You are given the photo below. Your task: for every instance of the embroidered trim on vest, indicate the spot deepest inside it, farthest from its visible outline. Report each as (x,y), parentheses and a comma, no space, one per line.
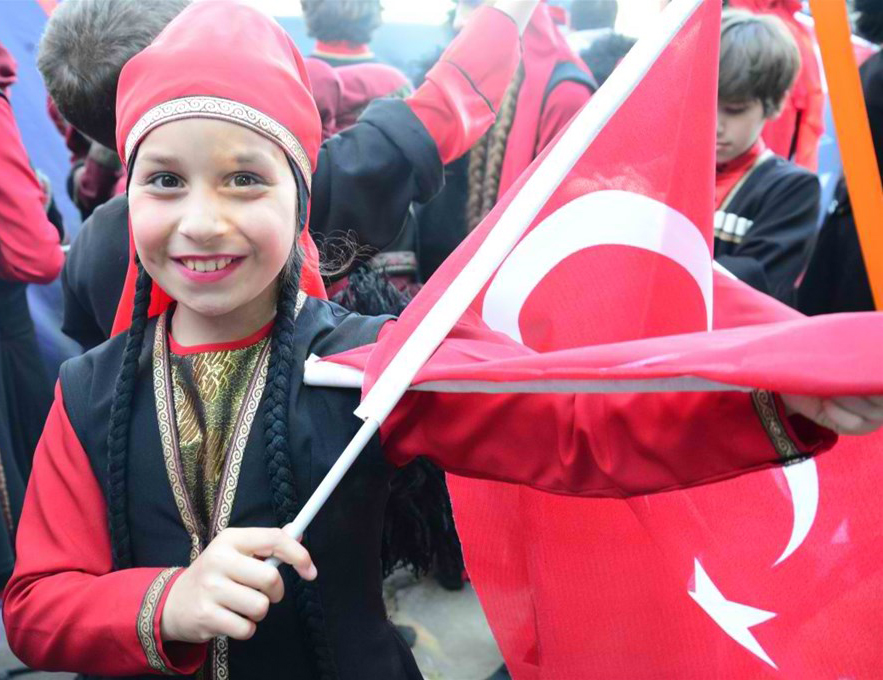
(221,109)
(165,418)
(146,616)
(165,410)
(765,405)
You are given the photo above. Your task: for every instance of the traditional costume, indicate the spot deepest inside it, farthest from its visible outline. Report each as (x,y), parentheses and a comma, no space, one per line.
(30,252)
(766,214)
(123,435)
(836,279)
(551,86)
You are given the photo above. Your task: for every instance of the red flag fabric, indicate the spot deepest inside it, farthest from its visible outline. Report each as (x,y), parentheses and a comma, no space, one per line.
(612,282)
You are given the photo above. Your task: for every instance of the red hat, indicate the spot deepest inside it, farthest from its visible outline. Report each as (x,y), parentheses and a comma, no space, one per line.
(224,60)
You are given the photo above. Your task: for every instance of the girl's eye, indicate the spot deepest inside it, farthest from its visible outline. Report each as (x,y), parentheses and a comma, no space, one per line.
(165,180)
(244,180)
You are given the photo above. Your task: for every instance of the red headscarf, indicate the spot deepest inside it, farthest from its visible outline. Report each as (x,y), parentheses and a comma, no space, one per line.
(224,60)
(543,48)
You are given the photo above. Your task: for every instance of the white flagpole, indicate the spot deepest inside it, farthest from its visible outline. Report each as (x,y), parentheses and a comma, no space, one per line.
(518,216)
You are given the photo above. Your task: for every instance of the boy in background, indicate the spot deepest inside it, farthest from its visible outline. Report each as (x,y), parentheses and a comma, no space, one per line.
(767,207)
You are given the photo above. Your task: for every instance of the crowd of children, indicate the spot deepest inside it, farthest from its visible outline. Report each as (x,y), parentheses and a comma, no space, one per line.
(209,158)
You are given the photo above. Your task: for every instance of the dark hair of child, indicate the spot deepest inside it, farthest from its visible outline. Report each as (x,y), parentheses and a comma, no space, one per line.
(758,60)
(349,21)
(81,77)
(869,22)
(279,469)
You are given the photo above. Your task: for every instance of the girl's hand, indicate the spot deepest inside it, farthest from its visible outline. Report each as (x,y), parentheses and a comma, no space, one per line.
(844,415)
(228,588)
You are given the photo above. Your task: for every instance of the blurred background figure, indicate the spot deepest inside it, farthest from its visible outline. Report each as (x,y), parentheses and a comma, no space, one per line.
(836,279)
(795,134)
(30,252)
(344,72)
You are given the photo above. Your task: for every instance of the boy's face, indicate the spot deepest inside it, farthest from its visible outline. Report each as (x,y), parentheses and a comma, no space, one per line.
(738,126)
(213,208)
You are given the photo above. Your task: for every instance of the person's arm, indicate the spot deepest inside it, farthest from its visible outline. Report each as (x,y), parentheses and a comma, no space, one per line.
(459,100)
(368,175)
(599,445)
(64,608)
(606,445)
(776,243)
(30,247)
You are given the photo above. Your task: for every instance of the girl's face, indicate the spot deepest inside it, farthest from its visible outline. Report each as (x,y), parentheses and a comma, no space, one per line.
(213,208)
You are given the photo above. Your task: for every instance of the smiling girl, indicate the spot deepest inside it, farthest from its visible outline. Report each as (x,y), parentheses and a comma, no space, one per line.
(174,452)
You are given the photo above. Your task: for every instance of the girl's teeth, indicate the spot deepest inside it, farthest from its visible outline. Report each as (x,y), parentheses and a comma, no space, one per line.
(208,265)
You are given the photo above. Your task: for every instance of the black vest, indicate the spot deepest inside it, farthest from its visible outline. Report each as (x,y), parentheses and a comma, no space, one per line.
(344,539)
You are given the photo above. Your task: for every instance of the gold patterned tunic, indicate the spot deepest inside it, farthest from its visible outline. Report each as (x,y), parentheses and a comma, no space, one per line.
(209,390)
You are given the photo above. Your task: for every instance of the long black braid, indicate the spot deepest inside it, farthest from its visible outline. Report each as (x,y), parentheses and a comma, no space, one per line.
(118,433)
(278,455)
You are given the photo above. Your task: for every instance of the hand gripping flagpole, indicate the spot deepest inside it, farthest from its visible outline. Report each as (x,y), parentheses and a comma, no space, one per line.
(513,222)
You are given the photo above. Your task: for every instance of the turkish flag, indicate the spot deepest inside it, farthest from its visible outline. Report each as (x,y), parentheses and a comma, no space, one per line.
(610,285)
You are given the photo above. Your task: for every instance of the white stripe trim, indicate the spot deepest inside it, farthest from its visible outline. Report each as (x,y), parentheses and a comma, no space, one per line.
(318,373)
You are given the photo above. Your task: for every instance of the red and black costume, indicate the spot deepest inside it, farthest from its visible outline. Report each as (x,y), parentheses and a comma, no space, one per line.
(68,607)
(556,84)
(30,252)
(767,209)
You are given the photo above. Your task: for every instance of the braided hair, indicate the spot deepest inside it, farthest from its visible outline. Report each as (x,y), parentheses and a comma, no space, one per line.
(278,457)
(486,158)
(118,431)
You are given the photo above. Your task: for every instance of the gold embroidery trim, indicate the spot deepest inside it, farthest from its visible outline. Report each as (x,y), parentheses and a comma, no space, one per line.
(168,435)
(765,405)
(220,109)
(233,465)
(146,616)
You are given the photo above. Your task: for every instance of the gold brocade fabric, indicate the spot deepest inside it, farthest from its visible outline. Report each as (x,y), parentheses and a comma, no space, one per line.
(209,390)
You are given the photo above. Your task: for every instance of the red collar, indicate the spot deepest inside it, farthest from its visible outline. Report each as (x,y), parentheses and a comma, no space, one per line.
(728,174)
(255,337)
(342,50)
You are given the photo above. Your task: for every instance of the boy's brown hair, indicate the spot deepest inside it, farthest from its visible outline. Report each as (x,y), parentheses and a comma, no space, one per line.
(85,46)
(350,21)
(759,59)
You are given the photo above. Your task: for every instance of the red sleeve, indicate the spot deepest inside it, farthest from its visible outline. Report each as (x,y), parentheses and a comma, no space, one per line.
(599,445)
(458,102)
(30,249)
(64,609)
(562,104)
